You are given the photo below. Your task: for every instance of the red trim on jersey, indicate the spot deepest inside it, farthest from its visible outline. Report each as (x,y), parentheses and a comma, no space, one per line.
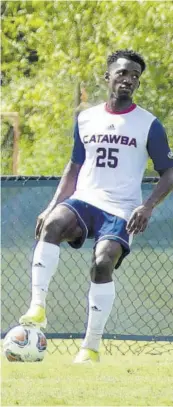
(132,107)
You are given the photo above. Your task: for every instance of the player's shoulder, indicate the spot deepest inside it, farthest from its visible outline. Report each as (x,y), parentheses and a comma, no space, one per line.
(145,114)
(155,128)
(151,122)
(90,112)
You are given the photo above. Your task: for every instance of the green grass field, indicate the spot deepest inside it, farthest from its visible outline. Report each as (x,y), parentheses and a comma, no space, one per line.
(130,380)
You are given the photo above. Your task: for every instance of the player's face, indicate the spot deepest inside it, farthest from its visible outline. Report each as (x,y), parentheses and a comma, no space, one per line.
(124,78)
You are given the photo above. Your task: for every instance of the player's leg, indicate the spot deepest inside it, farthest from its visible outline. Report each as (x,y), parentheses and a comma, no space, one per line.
(112,245)
(62,224)
(101,297)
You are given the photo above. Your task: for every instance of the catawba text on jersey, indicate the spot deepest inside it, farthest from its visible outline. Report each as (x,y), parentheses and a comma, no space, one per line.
(110,138)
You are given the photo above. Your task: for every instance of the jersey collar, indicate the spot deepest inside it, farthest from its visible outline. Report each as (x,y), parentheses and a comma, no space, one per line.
(132,107)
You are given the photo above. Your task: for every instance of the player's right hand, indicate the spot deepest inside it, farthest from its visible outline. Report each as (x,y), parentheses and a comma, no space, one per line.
(40,222)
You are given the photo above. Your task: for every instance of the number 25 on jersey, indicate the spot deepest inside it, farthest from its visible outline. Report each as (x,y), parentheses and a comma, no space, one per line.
(107,157)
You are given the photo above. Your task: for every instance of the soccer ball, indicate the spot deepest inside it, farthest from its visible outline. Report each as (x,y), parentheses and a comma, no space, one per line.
(24,344)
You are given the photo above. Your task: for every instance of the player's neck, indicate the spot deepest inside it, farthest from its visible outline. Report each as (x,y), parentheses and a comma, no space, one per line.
(118,105)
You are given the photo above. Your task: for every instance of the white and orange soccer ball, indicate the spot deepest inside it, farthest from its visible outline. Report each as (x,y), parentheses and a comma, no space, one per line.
(24,344)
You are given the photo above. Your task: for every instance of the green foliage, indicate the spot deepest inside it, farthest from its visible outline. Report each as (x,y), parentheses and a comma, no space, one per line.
(50,47)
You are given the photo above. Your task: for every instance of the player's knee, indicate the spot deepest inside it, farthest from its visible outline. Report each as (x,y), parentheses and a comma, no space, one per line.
(52,230)
(102,269)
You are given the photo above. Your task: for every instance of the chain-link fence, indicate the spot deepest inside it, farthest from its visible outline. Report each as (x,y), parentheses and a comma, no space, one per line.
(144,290)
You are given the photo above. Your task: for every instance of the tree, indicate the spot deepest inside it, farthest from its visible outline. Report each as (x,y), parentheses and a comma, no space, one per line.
(52,49)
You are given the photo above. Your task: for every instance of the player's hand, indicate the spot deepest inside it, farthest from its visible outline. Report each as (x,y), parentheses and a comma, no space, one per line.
(139,219)
(40,222)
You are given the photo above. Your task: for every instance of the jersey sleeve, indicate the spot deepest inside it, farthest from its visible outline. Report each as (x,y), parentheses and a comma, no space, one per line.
(78,153)
(158,147)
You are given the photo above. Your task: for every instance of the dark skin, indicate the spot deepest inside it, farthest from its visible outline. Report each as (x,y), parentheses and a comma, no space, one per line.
(123,79)
(58,223)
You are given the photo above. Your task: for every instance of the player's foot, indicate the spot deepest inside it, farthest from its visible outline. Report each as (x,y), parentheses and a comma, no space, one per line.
(87,356)
(35,316)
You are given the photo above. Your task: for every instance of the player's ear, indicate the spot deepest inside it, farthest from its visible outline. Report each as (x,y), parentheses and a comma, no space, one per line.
(107,76)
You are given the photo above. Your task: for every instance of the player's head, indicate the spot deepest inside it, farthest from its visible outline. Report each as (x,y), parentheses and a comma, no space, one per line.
(124,68)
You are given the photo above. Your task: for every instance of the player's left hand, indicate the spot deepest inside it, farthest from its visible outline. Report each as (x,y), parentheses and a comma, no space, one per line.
(139,219)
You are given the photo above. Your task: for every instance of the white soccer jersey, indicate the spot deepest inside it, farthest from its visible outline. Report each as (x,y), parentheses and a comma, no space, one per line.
(113,149)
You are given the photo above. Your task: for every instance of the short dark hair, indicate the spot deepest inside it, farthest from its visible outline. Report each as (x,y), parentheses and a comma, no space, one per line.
(128,54)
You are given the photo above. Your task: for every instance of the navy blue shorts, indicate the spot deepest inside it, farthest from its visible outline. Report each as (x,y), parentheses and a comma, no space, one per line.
(99,225)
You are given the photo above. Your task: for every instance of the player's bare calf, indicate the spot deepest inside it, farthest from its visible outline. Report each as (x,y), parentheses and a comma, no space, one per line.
(105,257)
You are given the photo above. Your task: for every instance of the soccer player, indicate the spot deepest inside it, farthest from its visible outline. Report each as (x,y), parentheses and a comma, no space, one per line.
(100,195)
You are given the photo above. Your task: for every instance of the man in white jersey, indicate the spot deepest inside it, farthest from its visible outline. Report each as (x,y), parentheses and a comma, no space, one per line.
(100,195)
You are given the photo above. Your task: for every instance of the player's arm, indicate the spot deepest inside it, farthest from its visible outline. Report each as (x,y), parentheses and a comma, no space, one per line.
(67,184)
(162,189)
(162,157)
(68,181)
